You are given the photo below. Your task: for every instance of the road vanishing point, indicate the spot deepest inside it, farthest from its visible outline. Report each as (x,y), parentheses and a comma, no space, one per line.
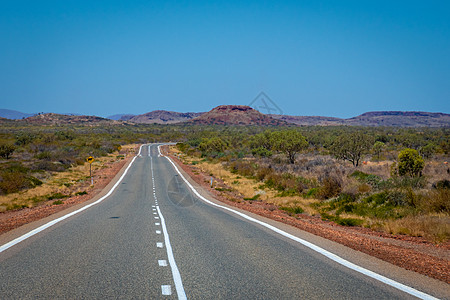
(155,234)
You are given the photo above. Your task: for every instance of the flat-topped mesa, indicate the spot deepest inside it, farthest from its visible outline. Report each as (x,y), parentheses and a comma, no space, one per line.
(59,119)
(236,115)
(163,117)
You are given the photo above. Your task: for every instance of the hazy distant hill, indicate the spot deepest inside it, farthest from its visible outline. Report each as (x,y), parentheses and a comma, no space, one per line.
(310,120)
(57,119)
(401,119)
(236,115)
(121,117)
(241,115)
(376,118)
(13,114)
(163,117)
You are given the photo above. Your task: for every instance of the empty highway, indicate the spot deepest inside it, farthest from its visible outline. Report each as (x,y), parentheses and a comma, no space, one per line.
(153,238)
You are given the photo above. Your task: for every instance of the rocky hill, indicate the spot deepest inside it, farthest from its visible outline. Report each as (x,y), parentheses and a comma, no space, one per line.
(57,119)
(164,117)
(236,115)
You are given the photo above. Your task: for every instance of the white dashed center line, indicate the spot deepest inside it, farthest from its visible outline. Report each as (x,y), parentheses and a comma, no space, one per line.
(162,263)
(165,289)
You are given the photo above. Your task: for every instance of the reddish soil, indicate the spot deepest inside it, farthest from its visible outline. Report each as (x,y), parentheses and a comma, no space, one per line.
(13,219)
(411,253)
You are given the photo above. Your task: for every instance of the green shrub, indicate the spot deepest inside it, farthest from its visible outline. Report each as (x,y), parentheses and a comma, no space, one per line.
(57,196)
(371,179)
(262,152)
(349,222)
(292,210)
(410,163)
(442,184)
(44,155)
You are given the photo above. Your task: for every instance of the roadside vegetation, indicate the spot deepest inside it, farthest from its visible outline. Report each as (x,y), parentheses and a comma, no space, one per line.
(39,164)
(389,179)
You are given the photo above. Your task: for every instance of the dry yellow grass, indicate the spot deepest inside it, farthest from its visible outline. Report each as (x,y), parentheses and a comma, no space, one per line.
(247,187)
(435,228)
(75,179)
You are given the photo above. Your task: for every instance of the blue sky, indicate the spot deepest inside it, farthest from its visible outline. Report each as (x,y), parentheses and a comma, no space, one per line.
(328,58)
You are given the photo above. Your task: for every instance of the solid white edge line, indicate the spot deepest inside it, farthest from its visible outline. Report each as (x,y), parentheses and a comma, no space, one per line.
(316,248)
(175,272)
(51,223)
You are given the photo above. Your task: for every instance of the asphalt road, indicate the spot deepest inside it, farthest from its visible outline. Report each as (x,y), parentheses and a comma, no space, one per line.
(153,238)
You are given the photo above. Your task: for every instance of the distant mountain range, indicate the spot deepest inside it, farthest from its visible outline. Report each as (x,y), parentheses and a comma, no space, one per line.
(239,115)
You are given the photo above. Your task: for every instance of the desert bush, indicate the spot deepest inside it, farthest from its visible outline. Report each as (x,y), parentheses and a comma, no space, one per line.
(261,152)
(410,163)
(24,138)
(442,184)
(48,166)
(6,150)
(44,155)
(330,187)
(373,180)
(215,144)
(292,210)
(12,181)
(428,150)
(183,147)
(263,173)
(243,168)
(436,201)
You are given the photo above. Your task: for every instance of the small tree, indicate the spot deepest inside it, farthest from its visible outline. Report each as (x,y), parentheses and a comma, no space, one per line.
(289,142)
(410,163)
(262,140)
(378,147)
(351,147)
(6,150)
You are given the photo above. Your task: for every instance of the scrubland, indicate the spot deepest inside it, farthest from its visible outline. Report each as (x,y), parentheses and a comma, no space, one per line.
(375,193)
(390,179)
